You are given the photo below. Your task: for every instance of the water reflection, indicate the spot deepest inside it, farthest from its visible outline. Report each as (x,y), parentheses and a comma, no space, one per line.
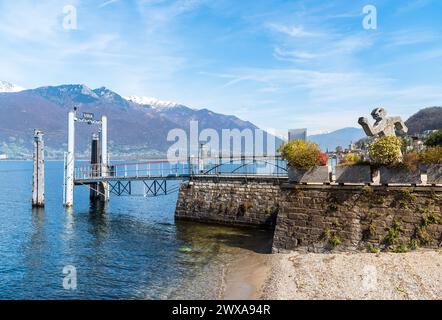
(126,248)
(98,220)
(37,242)
(202,235)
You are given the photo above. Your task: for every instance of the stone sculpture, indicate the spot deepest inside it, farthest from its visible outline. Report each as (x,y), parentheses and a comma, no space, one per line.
(383,126)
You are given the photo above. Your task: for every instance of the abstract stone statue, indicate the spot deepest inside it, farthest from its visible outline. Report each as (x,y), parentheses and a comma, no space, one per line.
(383,126)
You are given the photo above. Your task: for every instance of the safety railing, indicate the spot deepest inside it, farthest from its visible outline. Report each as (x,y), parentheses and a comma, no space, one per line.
(249,166)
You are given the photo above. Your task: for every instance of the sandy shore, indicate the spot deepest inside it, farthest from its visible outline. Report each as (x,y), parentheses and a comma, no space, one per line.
(414,275)
(246,277)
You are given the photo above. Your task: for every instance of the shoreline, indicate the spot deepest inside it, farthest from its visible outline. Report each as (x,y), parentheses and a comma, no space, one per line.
(246,277)
(335,276)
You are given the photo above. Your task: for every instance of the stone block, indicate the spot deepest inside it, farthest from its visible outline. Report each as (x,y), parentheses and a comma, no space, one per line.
(434,174)
(399,175)
(353,174)
(318,174)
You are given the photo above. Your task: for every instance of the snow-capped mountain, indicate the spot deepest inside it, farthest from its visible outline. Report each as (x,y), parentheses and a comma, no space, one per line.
(137,126)
(155,103)
(9,87)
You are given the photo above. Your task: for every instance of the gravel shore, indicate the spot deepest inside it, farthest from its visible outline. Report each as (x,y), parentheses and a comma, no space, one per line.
(413,275)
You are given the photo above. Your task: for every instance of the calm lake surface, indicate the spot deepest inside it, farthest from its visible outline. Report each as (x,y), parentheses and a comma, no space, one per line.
(130,249)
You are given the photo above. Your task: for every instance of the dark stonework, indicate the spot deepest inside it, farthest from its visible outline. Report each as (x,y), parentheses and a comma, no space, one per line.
(232,202)
(319,217)
(312,218)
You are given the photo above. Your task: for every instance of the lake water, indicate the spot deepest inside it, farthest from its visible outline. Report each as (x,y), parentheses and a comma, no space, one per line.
(129,249)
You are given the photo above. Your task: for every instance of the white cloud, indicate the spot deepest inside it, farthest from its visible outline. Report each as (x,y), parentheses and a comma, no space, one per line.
(32,21)
(412,37)
(159,13)
(107,3)
(293,31)
(412,5)
(294,54)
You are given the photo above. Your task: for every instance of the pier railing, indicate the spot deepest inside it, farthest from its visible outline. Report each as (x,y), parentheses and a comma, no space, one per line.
(160,168)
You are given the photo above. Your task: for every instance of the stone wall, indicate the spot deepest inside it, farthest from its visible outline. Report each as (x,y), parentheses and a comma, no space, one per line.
(251,202)
(320,217)
(373,218)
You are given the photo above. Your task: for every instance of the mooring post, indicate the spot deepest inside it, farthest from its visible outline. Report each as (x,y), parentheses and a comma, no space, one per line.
(201,159)
(38,182)
(95,165)
(70,158)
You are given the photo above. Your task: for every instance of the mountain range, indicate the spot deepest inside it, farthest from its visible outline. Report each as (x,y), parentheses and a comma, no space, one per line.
(138,126)
(342,137)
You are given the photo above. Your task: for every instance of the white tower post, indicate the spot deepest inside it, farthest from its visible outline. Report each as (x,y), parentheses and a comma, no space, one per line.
(70,159)
(104,156)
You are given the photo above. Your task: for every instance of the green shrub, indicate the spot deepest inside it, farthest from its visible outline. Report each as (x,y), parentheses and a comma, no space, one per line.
(335,241)
(411,160)
(350,159)
(301,154)
(414,244)
(433,218)
(386,151)
(373,249)
(325,233)
(371,230)
(422,235)
(393,233)
(434,139)
(402,248)
(407,195)
(432,155)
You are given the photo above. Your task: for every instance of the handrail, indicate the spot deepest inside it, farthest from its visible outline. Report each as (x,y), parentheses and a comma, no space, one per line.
(160,167)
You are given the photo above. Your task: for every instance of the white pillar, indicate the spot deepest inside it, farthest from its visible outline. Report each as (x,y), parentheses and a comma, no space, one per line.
(70,159)
(104,140)
(104,156)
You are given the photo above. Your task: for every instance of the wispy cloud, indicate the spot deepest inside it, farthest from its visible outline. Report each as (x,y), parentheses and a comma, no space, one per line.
(158,13)
(32,22)
(106,3)
(336,46)
(411,5)
(294,54)
(412,37)
(293,31)
(276,63)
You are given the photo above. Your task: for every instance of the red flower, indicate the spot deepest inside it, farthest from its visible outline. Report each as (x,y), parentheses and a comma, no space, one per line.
(323,159)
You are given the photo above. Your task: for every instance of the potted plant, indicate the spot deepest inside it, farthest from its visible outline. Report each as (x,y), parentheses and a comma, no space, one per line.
(306,163)
(386,154)
(352,169)
(431,158)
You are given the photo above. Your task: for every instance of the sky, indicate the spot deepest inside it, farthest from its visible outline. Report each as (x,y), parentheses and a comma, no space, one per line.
(277,63)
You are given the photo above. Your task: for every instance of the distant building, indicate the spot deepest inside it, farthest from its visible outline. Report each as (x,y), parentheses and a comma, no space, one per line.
(3,157)
(298,134)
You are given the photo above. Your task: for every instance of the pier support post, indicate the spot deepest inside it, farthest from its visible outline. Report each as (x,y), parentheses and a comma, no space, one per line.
(104,159)
(95,166)
(38,183)
(70,159)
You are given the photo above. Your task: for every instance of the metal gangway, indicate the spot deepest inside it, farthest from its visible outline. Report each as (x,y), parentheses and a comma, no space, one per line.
(156,173)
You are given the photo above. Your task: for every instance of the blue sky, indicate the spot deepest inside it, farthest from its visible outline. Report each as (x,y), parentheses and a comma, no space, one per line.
(280,64)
